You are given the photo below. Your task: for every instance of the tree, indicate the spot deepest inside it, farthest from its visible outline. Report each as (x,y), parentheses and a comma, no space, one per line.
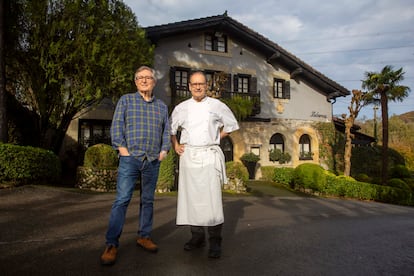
(72,54)
(357,102)
(3,117)
(385,86)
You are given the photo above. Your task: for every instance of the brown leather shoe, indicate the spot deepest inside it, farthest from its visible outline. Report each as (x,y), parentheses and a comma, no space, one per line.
(109,255)
(147,244)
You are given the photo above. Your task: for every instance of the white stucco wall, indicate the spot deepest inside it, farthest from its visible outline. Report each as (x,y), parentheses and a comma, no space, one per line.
(290,117)
(305,102)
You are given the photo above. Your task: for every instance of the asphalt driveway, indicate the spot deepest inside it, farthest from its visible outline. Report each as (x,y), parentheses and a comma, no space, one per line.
(55,231)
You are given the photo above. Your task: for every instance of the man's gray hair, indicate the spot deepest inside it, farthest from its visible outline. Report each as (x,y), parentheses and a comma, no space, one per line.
(144,67)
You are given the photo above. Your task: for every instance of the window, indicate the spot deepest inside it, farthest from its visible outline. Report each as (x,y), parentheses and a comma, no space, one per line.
(277,142)
(181,83)
(305,148)
(281,89)
(255,150)
(243,84)
(277,149)
(92,132)
(215,42)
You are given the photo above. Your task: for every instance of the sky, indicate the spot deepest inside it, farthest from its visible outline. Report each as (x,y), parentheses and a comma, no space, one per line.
(342,39)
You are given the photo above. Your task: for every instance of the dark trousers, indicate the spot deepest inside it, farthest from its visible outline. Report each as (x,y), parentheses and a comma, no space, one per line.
(214,232)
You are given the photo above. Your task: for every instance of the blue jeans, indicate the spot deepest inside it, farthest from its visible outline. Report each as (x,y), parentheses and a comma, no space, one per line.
(130,168)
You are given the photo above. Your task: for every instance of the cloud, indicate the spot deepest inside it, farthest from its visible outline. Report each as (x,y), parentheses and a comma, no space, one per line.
(341,39)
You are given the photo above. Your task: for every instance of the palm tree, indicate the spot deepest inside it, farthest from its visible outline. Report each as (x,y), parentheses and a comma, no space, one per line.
(385,86)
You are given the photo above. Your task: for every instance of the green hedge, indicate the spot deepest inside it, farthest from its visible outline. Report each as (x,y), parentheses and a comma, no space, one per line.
(166,175)
(314,178)
(282,175)
(267,172)
(26,164)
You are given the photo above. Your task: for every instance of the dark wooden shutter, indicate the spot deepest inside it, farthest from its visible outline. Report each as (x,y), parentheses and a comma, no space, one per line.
(253,85)
(173,85)
(286,90)
(235,83)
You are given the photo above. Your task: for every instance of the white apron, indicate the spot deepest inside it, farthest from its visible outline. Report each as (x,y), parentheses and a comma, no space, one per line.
(202,172)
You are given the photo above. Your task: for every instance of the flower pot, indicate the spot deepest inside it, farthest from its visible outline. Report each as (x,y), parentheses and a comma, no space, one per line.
(251,168)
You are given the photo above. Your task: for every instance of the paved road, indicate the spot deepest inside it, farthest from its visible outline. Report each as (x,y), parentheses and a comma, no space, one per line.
(52,231)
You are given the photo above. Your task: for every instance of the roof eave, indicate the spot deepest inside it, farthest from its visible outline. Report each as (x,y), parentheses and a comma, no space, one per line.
(253,39)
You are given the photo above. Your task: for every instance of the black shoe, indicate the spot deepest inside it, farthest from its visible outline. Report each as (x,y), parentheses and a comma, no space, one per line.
(193,244)
(215,248)
(214,254)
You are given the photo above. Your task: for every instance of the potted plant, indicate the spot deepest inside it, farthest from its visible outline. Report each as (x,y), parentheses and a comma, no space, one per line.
(278,155)
(306,155)
(250,161)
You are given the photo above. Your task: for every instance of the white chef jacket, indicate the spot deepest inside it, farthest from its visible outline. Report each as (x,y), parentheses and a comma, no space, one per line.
(202,169)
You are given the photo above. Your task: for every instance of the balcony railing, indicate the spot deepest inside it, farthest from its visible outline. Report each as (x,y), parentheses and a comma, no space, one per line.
(182,93)
(254,97)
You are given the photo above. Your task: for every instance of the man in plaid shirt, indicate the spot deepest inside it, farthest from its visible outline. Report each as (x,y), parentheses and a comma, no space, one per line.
(140,133)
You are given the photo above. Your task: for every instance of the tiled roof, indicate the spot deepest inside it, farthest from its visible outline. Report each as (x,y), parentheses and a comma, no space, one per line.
(257,41)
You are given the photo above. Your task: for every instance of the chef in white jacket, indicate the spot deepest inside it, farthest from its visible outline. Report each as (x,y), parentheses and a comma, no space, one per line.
(203,121)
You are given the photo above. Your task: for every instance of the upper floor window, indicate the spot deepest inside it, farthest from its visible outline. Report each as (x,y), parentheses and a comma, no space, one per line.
(215,42)
(181,83)
(281,89)
(243,84)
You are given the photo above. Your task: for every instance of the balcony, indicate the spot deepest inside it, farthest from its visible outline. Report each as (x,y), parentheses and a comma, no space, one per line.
(181,93)
(254,97)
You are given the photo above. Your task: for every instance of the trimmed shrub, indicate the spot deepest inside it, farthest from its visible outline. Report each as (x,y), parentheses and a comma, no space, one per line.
(236,170)
(283,176)
(398,183)
(101,156)
(348,187)
(166,175)
(267,172)
(410,183)
(309,176)
(362,177)
(318,181)
(26,164)
(237,176)
(359,163)
(99,171)
(399,171)
(250,157)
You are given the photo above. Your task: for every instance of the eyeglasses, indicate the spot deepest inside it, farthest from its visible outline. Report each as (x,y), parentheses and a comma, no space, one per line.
(195,84)
(141,78)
